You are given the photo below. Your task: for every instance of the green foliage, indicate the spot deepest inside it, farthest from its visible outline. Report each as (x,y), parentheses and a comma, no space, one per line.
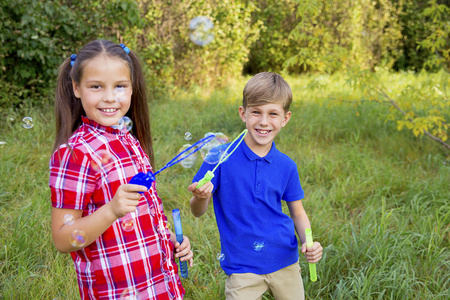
(365,32)
(172,59)
(37,36)
(438,41)
(275,43)
(422,107)
(414,30)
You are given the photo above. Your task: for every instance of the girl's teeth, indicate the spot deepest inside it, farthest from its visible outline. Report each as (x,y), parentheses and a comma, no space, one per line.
(108,110)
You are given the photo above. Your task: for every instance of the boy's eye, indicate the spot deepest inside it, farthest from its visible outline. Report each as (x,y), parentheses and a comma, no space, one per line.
(96,87)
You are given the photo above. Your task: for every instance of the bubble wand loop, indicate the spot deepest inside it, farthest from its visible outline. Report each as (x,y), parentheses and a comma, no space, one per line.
(309,243)
(210,174)
(146,179)
(179,235)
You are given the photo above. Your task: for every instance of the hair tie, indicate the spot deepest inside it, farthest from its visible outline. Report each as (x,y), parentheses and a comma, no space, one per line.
(126,49)
(73,57)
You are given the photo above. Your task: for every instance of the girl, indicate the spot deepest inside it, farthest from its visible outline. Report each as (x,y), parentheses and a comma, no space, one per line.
(115,232)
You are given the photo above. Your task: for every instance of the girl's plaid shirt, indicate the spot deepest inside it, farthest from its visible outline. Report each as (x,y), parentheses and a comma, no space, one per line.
(84,175)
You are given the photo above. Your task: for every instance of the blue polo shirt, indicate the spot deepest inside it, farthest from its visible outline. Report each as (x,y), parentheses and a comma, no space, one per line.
(255,235)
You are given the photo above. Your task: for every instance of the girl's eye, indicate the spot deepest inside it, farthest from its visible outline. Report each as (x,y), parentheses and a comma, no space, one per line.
(96,87)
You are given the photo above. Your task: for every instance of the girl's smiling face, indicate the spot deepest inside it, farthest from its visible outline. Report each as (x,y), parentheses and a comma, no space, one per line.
(102,75)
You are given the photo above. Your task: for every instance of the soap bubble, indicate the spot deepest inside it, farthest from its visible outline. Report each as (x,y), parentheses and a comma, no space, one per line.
(68,219)
(215,148)
(127,122)
(27,123)
(119,94)
(220,256)
(130,294)
(190,160)
(221,138)
(101,159)
(259,246)
(188,136)
(127,224)
(78,238)
(200,31)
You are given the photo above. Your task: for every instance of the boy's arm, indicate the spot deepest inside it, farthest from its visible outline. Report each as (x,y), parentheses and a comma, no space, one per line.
(301,222)
(200,198)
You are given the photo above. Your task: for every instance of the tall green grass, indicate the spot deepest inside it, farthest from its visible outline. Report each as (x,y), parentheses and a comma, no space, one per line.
(378,199)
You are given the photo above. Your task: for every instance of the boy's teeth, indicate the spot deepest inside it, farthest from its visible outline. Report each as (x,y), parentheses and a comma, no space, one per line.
(263,131)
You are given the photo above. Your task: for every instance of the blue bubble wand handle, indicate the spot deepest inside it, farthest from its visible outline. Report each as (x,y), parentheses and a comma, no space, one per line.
(309,243)
(179,235)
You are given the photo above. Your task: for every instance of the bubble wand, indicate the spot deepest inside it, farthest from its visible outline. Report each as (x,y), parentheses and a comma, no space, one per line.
(210,174)
(146,179)
(179,235)
(309,243)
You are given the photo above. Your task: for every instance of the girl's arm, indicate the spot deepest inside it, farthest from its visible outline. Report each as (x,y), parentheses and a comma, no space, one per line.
(183,250)
(301,222)
(125,200)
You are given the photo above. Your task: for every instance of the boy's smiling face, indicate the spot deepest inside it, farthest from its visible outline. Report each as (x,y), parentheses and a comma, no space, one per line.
(263,123)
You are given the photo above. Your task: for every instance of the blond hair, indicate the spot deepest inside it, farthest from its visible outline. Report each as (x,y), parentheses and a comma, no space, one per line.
(265,88)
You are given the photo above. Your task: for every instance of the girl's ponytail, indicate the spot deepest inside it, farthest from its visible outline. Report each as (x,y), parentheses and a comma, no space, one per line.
(68,109)
(139,108)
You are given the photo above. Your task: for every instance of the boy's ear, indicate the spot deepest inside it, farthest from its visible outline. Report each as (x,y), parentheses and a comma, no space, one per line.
(242,113)
(287,117)
(76,89)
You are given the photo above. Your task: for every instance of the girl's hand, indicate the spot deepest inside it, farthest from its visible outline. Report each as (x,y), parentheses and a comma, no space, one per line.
(203,192)
(314,253)
(183,251)
(126,199)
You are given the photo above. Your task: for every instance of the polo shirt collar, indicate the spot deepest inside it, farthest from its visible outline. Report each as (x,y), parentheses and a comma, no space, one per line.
(253,156)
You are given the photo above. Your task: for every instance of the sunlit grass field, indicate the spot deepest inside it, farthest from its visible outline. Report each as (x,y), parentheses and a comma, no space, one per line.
(378,198)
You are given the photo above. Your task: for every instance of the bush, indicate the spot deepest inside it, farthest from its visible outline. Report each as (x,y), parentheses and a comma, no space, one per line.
(37,35)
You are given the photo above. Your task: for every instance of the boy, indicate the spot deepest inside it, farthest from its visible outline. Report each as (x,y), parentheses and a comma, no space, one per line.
(258,242)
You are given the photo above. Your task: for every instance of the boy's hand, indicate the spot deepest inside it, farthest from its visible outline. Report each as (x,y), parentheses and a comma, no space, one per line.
(314,253)
(183,251)
(203,192)
(126,199)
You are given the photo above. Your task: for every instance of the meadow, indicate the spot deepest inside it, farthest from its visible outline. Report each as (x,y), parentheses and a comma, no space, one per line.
(378,198)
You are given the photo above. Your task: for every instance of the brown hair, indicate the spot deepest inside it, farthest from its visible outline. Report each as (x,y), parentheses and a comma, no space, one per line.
(265,88)
(68,109)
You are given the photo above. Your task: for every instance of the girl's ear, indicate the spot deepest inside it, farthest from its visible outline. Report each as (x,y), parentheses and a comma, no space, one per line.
(76,89)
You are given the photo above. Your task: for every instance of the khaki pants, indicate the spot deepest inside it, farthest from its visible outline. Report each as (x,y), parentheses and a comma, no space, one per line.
(284,284)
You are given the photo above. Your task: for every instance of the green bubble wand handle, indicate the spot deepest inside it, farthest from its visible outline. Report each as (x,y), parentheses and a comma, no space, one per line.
(309,243)
(210,174)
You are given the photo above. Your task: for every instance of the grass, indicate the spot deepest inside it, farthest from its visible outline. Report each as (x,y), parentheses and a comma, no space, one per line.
(378,199)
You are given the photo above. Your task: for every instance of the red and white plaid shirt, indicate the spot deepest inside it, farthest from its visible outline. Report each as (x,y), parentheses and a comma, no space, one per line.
(85,175)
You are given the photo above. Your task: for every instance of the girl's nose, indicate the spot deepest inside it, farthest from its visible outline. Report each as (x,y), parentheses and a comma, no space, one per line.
(108,95)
